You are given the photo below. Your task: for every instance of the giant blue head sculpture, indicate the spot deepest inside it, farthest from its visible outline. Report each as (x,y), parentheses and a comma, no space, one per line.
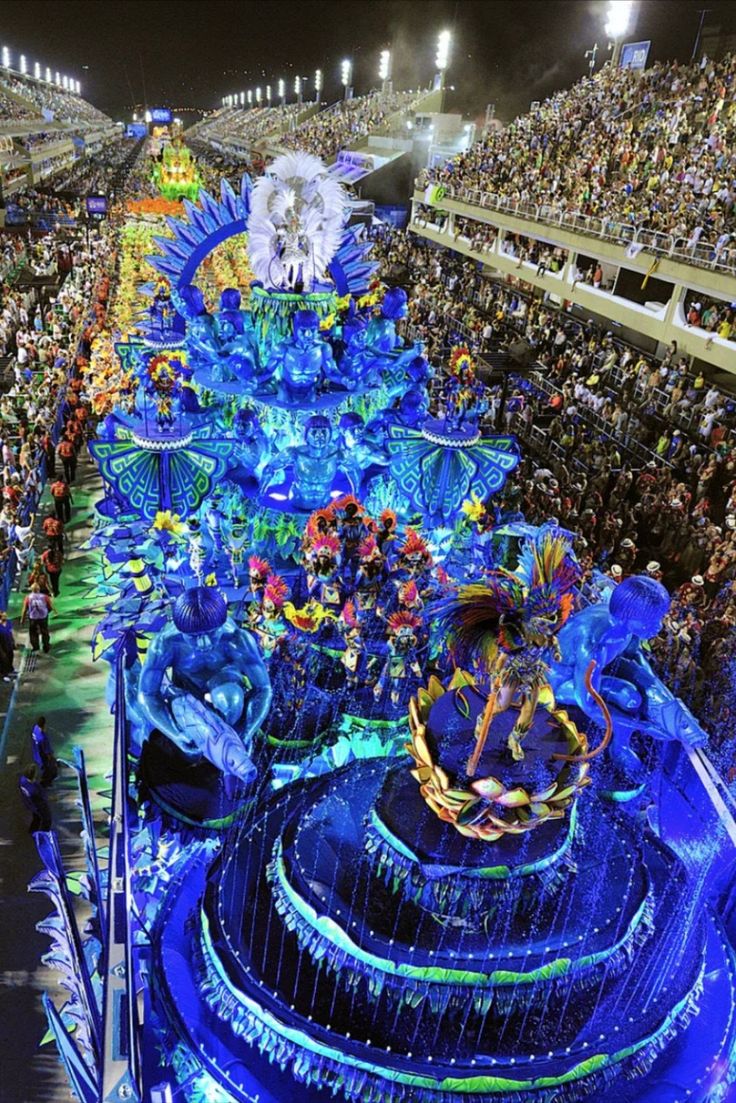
(200,611)
(640,603)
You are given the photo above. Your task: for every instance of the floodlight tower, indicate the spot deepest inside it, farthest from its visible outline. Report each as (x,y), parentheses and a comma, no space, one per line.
(258,96)
(346,77)
(250,97)
(268,94)
(282,92)
(298,89)
(618,22)
(442,58)
(317,85)
(384,70)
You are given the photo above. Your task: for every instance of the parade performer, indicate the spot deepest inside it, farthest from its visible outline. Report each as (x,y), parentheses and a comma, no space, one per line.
(402,660)
(507,626)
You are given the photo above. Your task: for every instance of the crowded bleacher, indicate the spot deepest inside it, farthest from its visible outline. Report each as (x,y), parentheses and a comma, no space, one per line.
(652,151)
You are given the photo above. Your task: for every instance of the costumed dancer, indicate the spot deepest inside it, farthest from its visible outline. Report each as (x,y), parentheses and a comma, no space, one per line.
(507,626)
(402,660)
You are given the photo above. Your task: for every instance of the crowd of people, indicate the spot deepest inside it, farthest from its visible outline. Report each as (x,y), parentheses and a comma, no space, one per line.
(58,104)
(634,453)
(653,150)
(248,124)
(326,133)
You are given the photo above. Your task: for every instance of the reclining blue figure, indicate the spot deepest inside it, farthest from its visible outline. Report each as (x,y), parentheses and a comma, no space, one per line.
(612,634)
(204,684)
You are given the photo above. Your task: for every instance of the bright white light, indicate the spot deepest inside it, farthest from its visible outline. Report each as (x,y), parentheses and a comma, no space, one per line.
(6,57)
(48,75)
(23,66)
(384,65)
(79,89)
(258,95)
(442,60)
(65,83)
(297,86)
(346,70)
(250,97)
(282,89)
(37,70)
(147,116)
(318,80)
(618,18)
(268,93)
(58,79)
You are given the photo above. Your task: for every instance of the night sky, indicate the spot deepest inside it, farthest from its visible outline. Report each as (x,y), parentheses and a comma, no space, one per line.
(188,55)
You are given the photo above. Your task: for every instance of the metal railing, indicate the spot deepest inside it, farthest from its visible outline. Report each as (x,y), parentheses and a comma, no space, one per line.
(699,254)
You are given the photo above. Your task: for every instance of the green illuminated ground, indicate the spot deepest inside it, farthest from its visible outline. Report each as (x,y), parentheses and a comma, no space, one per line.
(70,691)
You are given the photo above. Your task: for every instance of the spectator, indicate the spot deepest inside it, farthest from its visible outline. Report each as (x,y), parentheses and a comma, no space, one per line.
(36,609)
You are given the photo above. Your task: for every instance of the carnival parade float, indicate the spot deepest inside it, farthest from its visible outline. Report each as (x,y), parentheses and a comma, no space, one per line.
(397,831)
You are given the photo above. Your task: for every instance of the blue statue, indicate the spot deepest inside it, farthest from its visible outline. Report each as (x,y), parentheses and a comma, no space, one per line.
(304,364)
(382,335)
(358,363)
(250,450)
(612,635)
(410,413)
(192,686)
(315,464)
(224,344)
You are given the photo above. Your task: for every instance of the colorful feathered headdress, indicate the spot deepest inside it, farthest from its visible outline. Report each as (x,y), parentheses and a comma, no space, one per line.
(509,610)
(259,566)
(319,517)
(368,548)
(328,542)
(415,545)
(404,619)
(340,505)
(276,590)
(348,615)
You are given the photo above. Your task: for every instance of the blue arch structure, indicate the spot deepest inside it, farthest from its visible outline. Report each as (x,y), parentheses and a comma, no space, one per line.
(214,221)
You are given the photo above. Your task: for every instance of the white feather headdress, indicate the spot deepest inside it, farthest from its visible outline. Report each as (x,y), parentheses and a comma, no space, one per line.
(296,221)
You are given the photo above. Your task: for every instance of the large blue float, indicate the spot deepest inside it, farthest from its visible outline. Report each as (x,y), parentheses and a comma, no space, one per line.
(403,832)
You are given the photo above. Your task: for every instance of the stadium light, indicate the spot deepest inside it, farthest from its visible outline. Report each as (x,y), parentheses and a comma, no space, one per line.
(147,116)
(6,57)
(258,96)
(79,89)
(65,83)
(282,92)
(268,94)
(346,75)
(442,58)
(36,70)
(618,23)
(48,75)
(23,65)
(318,85)
(58,79)
(384,66)
(250,97)
(242,99)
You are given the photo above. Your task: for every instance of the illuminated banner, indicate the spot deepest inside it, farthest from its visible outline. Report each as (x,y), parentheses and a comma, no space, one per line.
(161,116)
(96,205)
(634,55)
